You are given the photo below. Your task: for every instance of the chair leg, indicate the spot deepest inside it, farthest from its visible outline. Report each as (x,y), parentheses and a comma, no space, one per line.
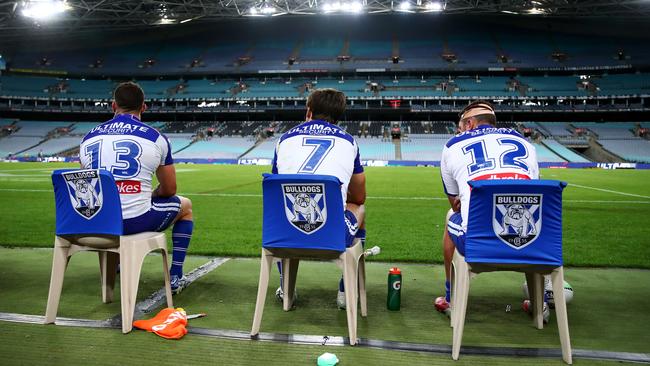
(538,301)
(350,281)
(557,277)
(289,274)
(453,288)
(168,286)
(265,270)
(131,258)
(363,302)
(108,262)
(460,303)
(59,264)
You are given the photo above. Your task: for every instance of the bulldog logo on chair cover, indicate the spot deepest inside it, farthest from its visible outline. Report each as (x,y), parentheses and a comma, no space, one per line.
(304,206)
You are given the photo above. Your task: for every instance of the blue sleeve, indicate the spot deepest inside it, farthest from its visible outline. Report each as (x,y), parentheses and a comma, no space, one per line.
(168,157)
(274,164)
(357,164)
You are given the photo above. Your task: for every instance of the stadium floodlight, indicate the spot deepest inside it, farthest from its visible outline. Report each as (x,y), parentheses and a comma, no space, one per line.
(405,6)
(348,7)
(268,9)
(535,11)
(434,6)
(44,9)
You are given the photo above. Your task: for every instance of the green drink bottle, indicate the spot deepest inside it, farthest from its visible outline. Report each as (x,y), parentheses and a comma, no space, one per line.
(394,300)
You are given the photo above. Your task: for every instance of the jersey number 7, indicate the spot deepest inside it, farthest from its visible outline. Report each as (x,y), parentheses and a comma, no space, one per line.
(321,148)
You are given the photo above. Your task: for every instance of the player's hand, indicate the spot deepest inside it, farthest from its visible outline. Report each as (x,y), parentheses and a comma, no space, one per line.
(456,205)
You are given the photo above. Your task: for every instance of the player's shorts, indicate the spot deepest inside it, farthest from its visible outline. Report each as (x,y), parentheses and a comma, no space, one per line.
(351,229)
(162,213)
(456,233)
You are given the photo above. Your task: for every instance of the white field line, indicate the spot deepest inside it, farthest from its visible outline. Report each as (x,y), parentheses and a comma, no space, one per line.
(608,191)
(369,197)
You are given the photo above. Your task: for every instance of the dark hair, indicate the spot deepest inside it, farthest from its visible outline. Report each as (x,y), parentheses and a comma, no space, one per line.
(129,96)
(326,104)
(487,117)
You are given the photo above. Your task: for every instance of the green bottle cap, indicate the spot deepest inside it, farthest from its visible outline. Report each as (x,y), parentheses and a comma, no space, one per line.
(327,359)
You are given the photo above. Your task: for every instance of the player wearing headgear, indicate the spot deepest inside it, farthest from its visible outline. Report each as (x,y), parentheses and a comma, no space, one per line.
(480,151)
(133,152)
(319,146)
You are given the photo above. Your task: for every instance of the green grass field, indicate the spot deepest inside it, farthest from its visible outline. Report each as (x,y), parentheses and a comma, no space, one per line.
(405,208)
(606,217)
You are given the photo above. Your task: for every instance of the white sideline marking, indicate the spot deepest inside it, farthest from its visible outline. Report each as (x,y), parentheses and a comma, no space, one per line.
(369,197)
(608,191)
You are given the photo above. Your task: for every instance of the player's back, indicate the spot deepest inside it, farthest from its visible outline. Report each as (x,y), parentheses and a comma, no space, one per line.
(485,152)
(318,147)
(132,151)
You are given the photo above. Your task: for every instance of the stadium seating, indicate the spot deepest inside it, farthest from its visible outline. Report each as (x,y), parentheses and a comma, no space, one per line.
(179,141)
(264,150)
(217,148)
(633,150)
(54,146)
(426,148)
(354,87)
(563,151)
(375,149)
(37,128)
(613,130)
(15,144)
(544,154)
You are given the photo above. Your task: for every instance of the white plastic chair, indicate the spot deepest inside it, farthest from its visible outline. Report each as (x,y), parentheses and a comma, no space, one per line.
(486,251)
(283,241)
(97,226)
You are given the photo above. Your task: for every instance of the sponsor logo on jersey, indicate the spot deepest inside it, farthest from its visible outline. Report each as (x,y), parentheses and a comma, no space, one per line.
(85,191)
(304,206)
(128,186)
(504,176)
(517,218)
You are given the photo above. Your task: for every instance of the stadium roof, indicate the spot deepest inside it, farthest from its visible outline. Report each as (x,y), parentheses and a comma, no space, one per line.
(124,14)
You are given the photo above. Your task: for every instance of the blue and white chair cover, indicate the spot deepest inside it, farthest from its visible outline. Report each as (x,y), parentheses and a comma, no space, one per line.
(513,225)
(89,218)
(304,219)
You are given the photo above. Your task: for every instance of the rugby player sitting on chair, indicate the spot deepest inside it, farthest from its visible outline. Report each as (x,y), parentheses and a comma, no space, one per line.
(319,146)
(133,152)
(480,151)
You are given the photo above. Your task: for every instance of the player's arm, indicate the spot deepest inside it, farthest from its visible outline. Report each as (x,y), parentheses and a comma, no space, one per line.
(357,186)
(449,184)
(166,172)
(357,189)
(166,175)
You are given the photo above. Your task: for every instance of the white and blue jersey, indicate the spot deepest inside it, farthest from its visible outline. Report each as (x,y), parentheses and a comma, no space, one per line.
(132,151)
(318,147)
(485,152)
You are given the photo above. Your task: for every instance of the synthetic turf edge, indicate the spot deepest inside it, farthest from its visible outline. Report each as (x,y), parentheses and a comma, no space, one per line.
(158,298)
(342,341)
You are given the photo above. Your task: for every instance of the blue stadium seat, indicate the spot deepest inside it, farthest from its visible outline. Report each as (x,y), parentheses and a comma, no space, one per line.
(89,218)
(513,226)
(291,237)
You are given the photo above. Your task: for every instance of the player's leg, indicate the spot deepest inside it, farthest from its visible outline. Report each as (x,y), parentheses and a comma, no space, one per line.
(451,237)
(181,236)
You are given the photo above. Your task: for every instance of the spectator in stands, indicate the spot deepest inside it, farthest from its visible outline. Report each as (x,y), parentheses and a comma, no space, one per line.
(133,152)
(479,151)
(319,146)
